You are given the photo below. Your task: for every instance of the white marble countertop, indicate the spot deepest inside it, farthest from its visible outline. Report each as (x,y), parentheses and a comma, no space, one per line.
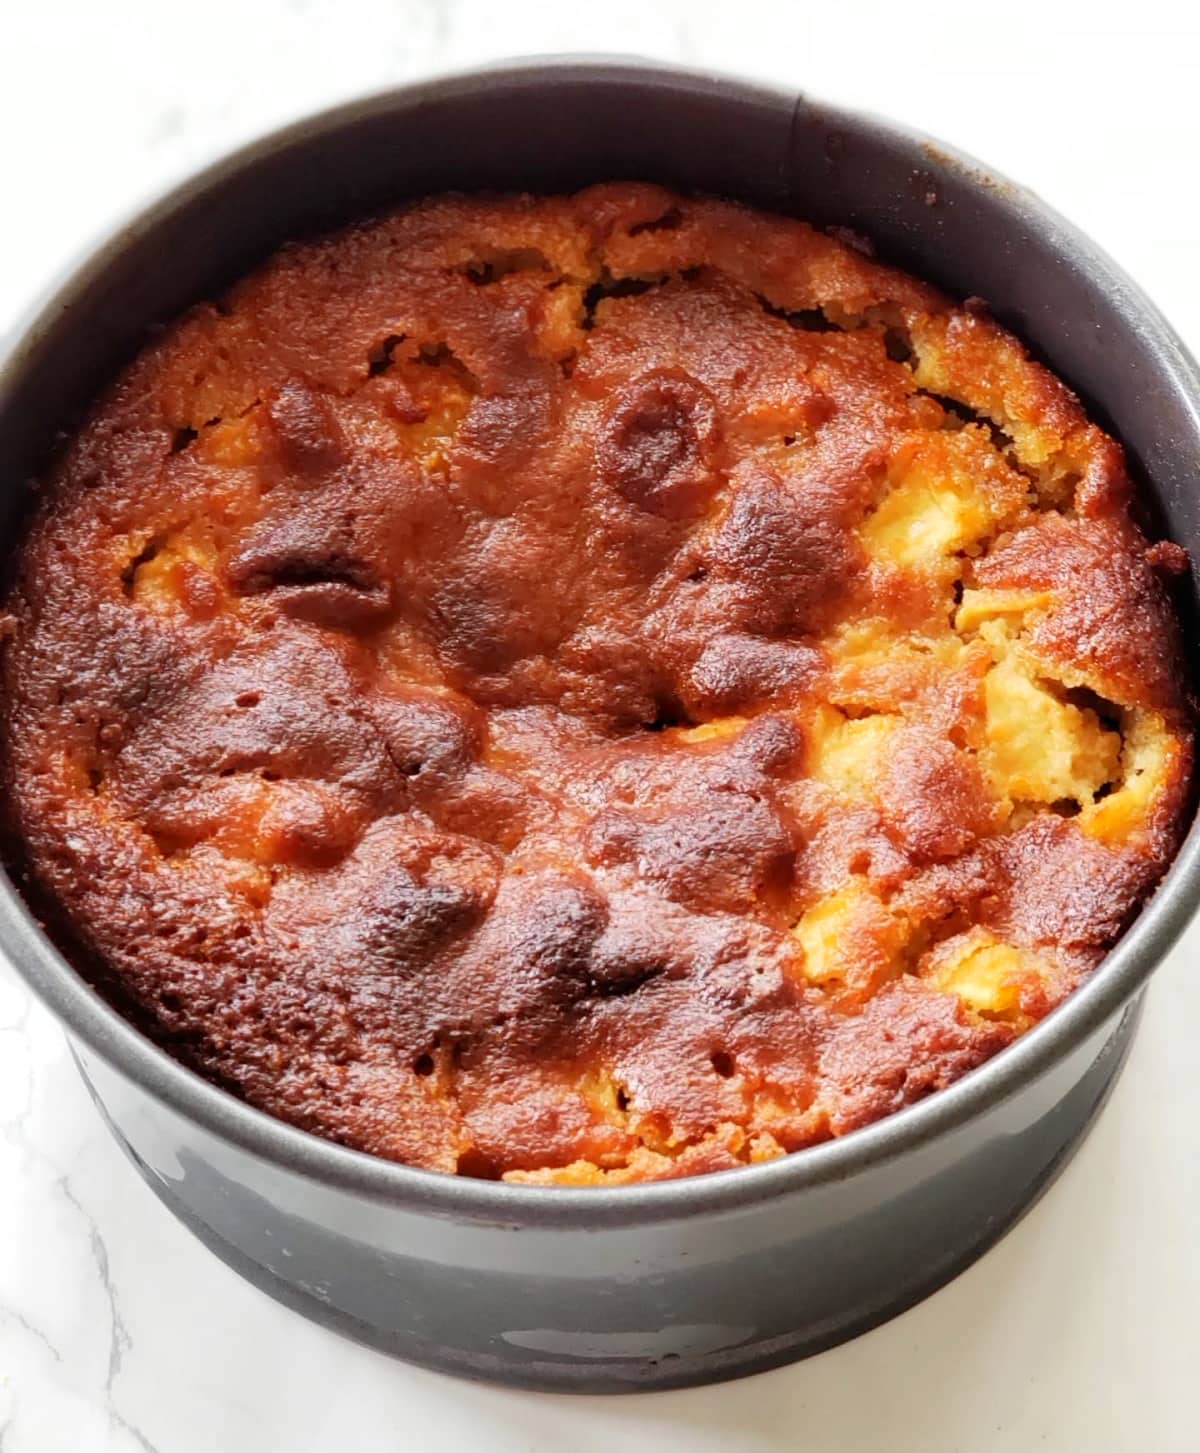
(117,1329)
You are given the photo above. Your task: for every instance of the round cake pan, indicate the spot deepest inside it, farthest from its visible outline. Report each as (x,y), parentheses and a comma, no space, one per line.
(683,1281)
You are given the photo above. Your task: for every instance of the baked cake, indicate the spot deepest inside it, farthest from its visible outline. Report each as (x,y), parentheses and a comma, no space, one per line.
(589,689)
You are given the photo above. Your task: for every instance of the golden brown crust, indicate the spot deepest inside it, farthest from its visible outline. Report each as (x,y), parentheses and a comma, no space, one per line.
(590,688)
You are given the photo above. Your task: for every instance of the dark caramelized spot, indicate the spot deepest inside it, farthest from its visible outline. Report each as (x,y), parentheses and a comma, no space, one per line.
(307,429)
(405,921)
(936,802)
(431,740)
(721,849)
(781,556)
(734,669)
(657,443)
(308,562)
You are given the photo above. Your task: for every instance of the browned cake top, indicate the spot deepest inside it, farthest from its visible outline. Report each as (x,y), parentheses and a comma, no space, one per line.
(590,688)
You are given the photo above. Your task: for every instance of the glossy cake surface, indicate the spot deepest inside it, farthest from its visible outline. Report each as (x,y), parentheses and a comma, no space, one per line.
(589,689)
